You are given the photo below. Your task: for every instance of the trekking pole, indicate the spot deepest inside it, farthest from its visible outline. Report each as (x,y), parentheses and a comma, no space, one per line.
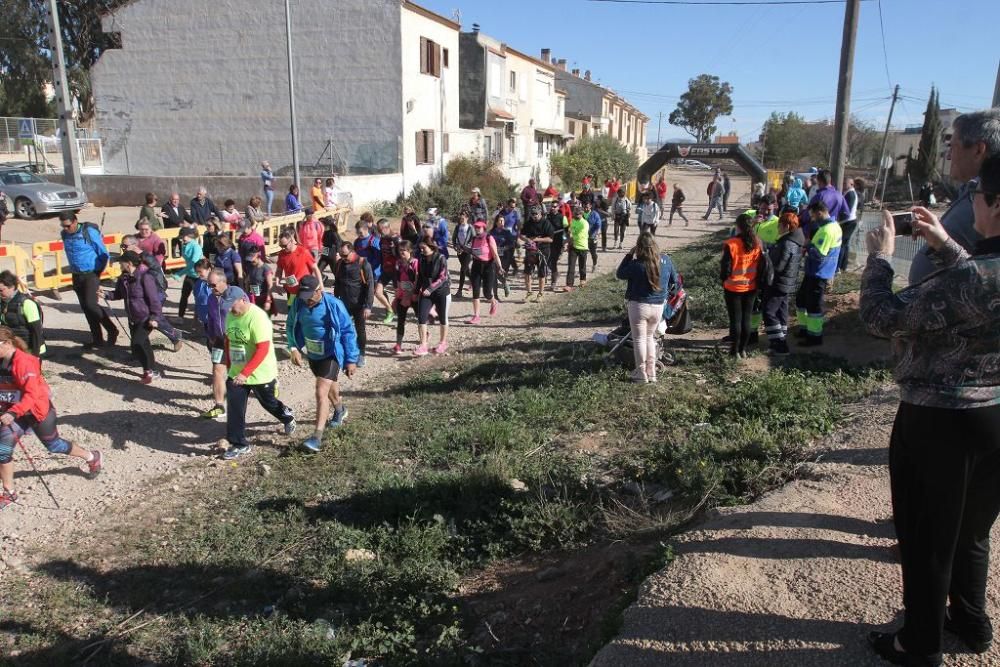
(114,315)
(35,468)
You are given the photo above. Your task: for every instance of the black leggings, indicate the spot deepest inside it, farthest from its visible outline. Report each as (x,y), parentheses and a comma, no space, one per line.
(555,253)
(592,244)
(439,300)
(483,279)
(141,348)
(604,234)
(739,305)
(464,260)
(621,223)
(186,288)
(358,314)
(401,311)
(945,500)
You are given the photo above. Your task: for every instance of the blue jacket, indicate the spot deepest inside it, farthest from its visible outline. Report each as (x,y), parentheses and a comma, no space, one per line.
(594,221)
(324,330)
(512,220)
(824,251)
(202,212)
(85,251)
(638,288)
(215,325)
(201,293)
(370,248)
(441,235)
(796,196)
(835,204)
(227,261)
(505,239)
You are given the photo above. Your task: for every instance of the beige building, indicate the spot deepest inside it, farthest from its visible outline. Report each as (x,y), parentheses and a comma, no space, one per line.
(906,143)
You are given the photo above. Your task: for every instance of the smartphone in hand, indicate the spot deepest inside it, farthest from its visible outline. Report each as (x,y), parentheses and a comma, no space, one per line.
(904,223)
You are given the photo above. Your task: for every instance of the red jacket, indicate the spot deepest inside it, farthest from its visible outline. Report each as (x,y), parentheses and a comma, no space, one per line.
(23,390)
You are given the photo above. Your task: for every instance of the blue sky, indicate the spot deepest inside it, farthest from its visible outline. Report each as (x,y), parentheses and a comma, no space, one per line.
(778,58)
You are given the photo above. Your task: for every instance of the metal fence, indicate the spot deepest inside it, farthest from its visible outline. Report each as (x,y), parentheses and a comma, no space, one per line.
(906,247)
(44,134)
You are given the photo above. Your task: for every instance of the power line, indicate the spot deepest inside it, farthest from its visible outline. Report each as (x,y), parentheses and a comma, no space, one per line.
(885,52)
(736,3)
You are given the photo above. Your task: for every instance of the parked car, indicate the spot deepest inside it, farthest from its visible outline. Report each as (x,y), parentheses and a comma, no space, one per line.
(32,195)
(695,164)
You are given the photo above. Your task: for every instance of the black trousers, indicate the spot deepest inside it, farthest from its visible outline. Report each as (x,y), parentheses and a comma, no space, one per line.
(944,467)
(483,279)
(358,315)
(186,288)
(604,234)
(464,261)
(739,305)
(237,396)
(847,228)
(555,253)
(592,244)
(141,348)
(621,222)
(775,315)
(576,257)
(401,311)
(86,286)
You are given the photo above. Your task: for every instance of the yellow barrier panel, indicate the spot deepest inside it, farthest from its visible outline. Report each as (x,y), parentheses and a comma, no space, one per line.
(46,278)
(14,253)
(774,177)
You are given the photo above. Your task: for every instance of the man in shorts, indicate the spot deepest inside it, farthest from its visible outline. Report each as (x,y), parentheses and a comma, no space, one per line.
(388,246)
(320,327)
(253,369)
(536,235)
(294,263)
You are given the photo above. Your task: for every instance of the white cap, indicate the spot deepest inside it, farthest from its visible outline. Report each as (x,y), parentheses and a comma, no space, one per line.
(476,190)
(432,211)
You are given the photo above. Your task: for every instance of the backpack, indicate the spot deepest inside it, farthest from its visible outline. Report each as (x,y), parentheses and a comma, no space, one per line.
(156,271)
(679,320)
(622,206)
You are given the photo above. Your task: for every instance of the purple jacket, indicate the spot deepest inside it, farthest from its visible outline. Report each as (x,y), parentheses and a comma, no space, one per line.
(835,203)
(141,295)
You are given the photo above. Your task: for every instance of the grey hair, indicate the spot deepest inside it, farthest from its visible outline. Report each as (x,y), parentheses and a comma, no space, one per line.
(202,189)
(980,126)
(219,274)
(130,239)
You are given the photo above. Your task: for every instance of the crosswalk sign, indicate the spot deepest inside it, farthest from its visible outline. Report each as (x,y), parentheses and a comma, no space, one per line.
(26,130)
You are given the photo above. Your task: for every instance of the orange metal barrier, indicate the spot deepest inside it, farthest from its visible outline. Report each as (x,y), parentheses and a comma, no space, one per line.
(44,252)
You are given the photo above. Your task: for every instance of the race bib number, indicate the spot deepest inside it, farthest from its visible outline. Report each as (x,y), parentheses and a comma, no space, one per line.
(238,355)
(291,281)
(406,286)
(10,396)
(325,252)
(212,257)
(315,348)
(479,252)
(255,290)
(217,353)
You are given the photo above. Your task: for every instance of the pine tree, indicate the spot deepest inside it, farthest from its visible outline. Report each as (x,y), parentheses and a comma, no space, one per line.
(925,166)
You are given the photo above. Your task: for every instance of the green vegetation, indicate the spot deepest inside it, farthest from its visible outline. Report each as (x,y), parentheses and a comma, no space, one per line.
(602,156)
(450,191)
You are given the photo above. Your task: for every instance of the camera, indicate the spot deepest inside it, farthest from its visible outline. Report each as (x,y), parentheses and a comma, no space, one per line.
(904,223)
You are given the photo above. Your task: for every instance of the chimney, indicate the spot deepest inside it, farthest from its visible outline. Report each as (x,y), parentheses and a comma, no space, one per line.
(586,75)
(562,64)
(475,28)
(576,72)
(546,55)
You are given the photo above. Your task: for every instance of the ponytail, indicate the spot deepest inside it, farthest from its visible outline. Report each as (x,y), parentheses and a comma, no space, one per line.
(746,232)
(7,336)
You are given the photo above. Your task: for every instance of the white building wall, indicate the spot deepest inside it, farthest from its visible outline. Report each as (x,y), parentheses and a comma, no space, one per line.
(429,102)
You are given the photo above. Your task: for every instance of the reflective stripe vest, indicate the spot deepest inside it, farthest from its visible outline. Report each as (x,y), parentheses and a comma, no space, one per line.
(743,271)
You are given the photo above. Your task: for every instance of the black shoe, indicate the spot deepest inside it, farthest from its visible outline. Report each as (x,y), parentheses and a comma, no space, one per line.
(779,348)
(883,643)
(802,333)
(112,338)
(727,338)
(977,636)
(812,341)
(754,338)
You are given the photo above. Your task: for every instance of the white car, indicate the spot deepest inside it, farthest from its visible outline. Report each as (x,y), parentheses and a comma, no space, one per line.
(695,164)
(32,195)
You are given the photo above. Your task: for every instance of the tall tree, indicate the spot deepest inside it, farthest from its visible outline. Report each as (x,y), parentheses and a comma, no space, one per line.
(925,166)
(25,60)
(706,99)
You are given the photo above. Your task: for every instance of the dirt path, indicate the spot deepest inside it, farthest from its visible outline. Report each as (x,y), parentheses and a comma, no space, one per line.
(151,435)
(797,578)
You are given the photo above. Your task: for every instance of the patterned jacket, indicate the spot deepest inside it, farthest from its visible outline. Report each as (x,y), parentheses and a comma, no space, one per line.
(945,331)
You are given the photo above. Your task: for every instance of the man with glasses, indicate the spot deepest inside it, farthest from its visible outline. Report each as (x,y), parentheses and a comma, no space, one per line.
(220,299)
(294,263)
(87,258)
(975,137)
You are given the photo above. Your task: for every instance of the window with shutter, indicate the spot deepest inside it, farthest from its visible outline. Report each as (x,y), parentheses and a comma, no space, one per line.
(421,148)
(444,57)
(423,55)
(436,70)
(429,143)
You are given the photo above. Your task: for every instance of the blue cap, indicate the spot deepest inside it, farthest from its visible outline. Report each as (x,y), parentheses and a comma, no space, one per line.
(231,296)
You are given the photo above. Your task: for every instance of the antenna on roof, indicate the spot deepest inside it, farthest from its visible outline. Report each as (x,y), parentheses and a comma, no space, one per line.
(457,16)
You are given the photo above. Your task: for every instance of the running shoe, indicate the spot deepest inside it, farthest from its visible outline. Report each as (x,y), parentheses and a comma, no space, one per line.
(529,297)
(397,349)
(493,308)
(361,361)
(441,348)
(475,320)
(236,452)
(506,289)
(313,444)
(290,427)
(339,415)
(7,498)
(217,412)
(389,318)
(96,464)
(149,377)
(178,344)
(420,351)
(538,297)
(112,338)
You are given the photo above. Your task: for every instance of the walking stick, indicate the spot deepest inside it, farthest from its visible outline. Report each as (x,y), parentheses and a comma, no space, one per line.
(114,315)
(35,468)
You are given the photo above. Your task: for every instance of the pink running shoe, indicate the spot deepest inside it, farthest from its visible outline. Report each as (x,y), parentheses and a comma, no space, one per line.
(420,351)
(493,308)
(95,465)
(474,320)
(397,349)
(7,498)
(441,348)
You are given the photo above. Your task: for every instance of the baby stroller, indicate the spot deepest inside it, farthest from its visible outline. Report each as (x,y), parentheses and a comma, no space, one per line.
(675,321)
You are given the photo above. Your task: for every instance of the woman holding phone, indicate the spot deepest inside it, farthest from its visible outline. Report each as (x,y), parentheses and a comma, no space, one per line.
(944,453)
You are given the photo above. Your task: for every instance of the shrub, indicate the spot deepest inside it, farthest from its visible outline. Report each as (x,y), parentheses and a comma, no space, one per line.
(601,156)
(448,192)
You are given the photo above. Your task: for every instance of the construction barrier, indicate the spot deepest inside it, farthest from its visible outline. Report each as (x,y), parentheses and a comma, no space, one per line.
(51,252)
(16,256)
(774,177)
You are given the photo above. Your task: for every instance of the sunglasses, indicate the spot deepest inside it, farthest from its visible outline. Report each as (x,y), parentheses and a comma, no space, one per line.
(66,226)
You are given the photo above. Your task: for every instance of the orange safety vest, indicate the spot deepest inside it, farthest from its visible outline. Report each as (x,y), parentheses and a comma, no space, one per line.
(743,273)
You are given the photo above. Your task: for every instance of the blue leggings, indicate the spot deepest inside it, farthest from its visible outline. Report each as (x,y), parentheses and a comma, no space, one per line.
(45,430)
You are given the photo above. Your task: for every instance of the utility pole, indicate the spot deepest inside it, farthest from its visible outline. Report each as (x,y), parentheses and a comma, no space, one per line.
(291,93)
(659,124)
(64,104)
(885,139)
(842,122)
